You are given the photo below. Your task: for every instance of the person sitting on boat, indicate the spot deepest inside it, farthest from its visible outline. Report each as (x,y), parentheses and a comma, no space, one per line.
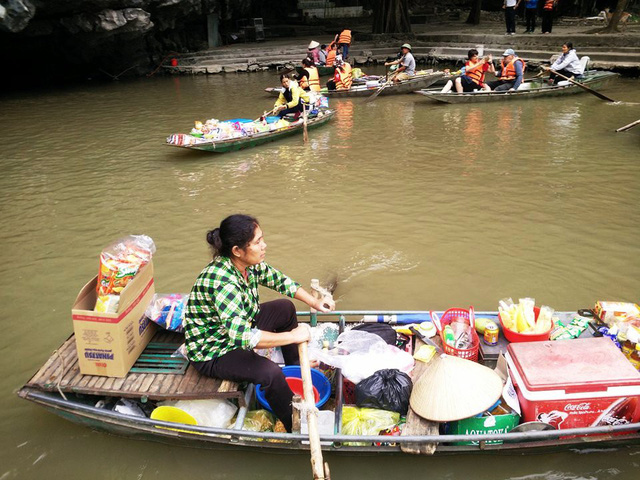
(474,71)
(331,54)
(342,78)
(225,321)
(313,53)
(511,72)
(292,99)
(567,64)
(406,65)
(322,55)
(309,79)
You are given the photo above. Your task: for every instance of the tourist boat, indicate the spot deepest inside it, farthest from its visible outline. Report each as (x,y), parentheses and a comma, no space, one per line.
(59,387)
(417,82)
(529,89)
(191,142)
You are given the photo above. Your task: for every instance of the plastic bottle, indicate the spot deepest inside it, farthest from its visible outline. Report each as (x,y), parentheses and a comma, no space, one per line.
(626,345)
(635,357)
(449,337)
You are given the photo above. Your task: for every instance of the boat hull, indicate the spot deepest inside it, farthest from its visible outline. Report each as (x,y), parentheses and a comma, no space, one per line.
(234,144)
(539,90)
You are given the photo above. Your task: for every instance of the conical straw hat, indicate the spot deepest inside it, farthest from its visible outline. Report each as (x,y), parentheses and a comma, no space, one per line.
(313,44)
(452,388)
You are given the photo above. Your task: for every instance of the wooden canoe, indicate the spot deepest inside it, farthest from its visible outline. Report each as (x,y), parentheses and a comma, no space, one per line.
(59,388)
(249,141)
(406,86)
(530,89)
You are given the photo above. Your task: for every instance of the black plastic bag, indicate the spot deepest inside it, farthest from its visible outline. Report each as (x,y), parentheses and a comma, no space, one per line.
(383,330)
(388,389)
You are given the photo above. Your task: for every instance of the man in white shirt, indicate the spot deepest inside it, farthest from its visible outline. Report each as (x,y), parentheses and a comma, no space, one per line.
(510,15)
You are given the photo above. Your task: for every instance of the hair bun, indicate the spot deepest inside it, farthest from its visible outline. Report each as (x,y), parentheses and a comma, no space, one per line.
(213,238)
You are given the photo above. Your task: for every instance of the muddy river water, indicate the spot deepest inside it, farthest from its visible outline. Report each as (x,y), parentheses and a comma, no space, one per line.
(408,204)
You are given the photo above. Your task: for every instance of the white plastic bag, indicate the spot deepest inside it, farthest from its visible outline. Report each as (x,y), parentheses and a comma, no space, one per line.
(360,354)
(209,412)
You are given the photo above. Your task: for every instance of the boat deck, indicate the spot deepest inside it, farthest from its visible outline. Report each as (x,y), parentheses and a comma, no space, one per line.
(61,373)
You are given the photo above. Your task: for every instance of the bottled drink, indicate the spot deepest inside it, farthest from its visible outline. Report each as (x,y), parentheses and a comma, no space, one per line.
(449,337)
(626,345)
(635,357)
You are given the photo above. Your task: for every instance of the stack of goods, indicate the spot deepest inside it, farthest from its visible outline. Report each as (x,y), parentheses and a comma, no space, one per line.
(457,332)
(622,326)
(524,322)
(167,310)
(573,329)
(119,263)
(217,130)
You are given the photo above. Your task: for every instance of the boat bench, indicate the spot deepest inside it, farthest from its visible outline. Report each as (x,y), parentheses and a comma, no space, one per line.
(164,379)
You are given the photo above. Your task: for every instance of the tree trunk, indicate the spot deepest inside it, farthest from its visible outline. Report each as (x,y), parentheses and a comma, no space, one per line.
(391,16)
(474,13)
(612,27)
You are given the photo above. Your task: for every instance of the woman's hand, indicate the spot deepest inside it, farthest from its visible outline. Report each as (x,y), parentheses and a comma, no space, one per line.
(301,333)
(324,305)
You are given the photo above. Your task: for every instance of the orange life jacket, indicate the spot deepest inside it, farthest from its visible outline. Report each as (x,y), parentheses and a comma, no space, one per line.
(311,81)
(549,4)
(331,57)
(343,77)
(345,37)
(475,72)
(508,71)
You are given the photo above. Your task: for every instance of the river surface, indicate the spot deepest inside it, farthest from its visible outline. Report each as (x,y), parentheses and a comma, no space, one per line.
(410,205)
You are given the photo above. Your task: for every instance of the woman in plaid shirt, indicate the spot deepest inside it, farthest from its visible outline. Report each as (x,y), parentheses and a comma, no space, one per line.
(225,320)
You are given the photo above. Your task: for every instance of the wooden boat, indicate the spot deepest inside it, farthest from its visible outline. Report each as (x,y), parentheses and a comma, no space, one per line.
(323,71)
(253,140)
(406,86)
(530,89)
(60,388)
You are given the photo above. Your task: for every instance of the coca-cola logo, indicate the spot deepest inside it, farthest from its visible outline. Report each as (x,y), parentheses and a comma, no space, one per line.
(579,406)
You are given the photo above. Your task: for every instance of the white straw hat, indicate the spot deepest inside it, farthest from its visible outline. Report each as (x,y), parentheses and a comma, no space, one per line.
(452,388)
(313,45)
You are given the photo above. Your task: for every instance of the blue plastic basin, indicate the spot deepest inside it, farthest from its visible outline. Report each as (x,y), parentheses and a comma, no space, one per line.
(318,379)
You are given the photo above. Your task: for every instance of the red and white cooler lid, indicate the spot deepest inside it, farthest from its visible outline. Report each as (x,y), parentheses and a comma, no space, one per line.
(579,365)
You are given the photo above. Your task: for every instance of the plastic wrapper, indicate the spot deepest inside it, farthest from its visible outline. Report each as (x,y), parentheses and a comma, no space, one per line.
(361,354)
(120,262)
(259,421)
(367,421)
(167,310)
(209,413)
(387,389)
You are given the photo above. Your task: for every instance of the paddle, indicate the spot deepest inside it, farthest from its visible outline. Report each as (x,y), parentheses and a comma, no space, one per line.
(377,92)
(305,135)
(627,127)
(584,87)
(317,466)
(265,114)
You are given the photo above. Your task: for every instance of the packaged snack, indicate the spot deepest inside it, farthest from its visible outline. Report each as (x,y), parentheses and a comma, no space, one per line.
(167,310)
(121,260)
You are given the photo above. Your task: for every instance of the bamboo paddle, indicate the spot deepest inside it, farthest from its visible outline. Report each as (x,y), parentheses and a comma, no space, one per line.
(317,466)
(265,114)
(584,87)
(627,127)
(305,135)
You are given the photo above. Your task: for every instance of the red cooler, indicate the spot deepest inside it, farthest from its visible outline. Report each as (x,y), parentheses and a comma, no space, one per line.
(574,383)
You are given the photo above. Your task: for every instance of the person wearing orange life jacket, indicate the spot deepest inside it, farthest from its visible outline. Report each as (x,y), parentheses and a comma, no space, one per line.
(511,72)
(331,55)
(473,77)
(548,9)
(344,42)
(342,78)
(309,79)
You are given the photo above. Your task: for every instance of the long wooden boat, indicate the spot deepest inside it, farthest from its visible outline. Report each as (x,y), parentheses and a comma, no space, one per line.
(530,89)
(323,71)
(406,86)
(249,141)
(60,388)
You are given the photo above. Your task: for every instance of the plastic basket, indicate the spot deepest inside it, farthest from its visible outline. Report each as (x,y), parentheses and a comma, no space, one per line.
(514,336)
(457,314)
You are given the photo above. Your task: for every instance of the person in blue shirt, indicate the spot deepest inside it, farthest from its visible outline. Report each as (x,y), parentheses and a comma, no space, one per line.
(511,72)
(530,7)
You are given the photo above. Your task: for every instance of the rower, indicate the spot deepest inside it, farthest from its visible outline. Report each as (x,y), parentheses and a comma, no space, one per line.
(291,98)
(406,65)
(511,72)
(567,64)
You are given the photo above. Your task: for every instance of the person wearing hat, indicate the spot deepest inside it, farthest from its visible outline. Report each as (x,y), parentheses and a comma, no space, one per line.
(406,65)
(511,72)
(313,53)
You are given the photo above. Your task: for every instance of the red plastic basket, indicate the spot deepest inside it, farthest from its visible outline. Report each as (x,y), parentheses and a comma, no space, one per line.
(458,314)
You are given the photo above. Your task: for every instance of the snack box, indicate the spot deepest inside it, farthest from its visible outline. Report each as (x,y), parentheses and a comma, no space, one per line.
(108,344)
(607,311)
(574,383)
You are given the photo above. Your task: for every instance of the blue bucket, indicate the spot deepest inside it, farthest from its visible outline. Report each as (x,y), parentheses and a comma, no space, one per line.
(272,119)
(239,120)
(318,379)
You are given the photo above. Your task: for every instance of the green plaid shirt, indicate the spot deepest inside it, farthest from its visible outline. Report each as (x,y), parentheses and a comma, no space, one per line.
(222,307)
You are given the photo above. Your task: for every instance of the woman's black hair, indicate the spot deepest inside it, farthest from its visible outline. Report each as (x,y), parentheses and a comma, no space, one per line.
(283,76)
(235,230)
(471,53)
(569,45)
(306,61)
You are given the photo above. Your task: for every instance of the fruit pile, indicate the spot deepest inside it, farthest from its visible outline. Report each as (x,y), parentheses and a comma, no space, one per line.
(521,317)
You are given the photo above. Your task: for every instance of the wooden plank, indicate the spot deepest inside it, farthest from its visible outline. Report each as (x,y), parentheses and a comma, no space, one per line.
(53,364)
(148,380)
(417,425)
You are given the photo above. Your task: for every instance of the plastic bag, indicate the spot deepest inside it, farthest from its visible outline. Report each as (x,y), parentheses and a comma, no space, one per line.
(361,354)
(167,310)
(383,330)
(209,412)
(387,389)
(121,260)
(367,421)
(259,421)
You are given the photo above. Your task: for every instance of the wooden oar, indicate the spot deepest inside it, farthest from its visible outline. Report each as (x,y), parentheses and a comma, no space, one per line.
(305,135)
(317,465)
(627,127)
(584,87)
(377,92)
(264,115)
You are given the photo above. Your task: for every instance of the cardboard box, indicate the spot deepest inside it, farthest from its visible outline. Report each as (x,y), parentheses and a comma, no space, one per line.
(108,344)
(483,425)
(608,311)
(575,383)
